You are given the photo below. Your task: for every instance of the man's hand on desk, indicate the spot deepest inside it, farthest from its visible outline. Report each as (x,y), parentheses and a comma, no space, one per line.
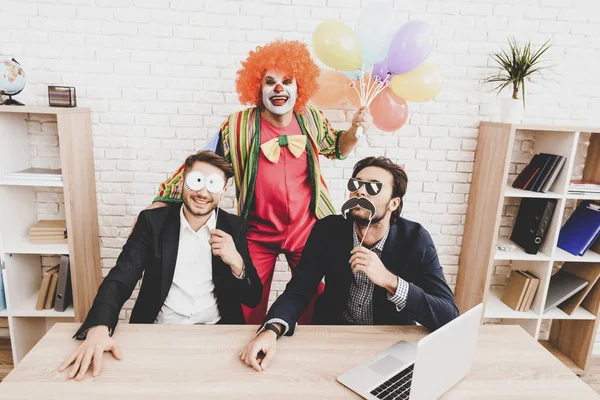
(260,351)
(90,351)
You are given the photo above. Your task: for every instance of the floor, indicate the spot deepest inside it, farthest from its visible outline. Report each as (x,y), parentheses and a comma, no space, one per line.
(592,378)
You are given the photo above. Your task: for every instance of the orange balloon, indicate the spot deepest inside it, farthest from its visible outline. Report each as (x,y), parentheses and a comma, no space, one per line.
(333,87)
(389,111)
(351,94)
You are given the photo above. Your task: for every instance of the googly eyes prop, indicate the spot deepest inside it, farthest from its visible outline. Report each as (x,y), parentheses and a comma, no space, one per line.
(196,181)
(215,183)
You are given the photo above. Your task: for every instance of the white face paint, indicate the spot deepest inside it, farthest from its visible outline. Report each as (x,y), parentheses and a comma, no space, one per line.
(279,93)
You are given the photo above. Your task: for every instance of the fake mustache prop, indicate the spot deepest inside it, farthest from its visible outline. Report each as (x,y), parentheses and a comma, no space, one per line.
(361,202)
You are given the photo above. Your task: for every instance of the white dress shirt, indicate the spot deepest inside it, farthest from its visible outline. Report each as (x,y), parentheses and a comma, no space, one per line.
(191,299)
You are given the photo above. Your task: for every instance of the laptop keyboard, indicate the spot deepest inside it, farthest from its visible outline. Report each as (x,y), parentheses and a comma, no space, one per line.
(397,387)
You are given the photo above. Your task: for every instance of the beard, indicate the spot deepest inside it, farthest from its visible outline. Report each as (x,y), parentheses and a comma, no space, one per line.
(280,109)
(361,217)
(197,210)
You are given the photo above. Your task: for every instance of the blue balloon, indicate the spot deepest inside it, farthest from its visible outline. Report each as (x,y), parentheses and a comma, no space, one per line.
(352,74)
(375,29)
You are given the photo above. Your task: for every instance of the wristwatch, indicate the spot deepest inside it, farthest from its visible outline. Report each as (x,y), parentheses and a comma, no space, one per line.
(272,327)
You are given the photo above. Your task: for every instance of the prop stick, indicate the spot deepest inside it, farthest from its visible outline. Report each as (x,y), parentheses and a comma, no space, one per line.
(366,231)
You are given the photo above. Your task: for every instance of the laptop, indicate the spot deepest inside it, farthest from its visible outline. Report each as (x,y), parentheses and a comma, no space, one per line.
(419,371)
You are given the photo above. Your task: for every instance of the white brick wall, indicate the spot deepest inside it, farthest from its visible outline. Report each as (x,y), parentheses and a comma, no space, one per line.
(159,77)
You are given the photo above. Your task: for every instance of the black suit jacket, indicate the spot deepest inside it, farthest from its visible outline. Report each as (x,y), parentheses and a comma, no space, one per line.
(408,253)
(151,250)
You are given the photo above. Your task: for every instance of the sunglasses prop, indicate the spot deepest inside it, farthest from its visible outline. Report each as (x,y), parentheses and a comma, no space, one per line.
(373,188)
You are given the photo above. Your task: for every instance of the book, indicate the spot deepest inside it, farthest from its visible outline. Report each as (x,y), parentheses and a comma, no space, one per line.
(554,174)
(531,290)
(563,285)
(35,174)
(552,160)
(542,164)
(515,289)
(51,291)
(58,225)
(581,230)
(44,286)
(527,174)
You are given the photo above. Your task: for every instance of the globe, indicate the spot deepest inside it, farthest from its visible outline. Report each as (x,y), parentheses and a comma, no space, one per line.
(12,80)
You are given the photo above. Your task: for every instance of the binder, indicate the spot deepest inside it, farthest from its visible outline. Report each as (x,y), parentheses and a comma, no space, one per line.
(581,230)
(63,288)
(532,222)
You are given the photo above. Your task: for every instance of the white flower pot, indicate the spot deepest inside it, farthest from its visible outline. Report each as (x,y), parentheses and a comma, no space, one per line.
(511,111)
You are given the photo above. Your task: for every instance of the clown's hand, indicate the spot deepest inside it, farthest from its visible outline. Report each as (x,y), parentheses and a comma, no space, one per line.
(362,118)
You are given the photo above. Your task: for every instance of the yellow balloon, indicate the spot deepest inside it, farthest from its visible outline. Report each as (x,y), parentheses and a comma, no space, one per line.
(336,45)
(421,84)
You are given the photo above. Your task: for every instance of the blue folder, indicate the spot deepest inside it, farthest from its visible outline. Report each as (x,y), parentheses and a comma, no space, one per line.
(581,230)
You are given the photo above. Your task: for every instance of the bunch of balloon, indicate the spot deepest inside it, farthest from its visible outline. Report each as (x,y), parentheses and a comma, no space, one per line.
(379,65)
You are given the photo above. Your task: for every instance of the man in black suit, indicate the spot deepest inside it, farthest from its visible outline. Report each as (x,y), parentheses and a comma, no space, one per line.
(393,278)
(195,263)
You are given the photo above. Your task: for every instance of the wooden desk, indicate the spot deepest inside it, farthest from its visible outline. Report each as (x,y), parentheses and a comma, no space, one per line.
(200,362)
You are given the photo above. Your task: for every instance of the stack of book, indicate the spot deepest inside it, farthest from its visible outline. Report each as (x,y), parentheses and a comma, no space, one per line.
(540,173)
(584,187)
(520,290)
(55,289)
(581,230)
(49,232)
(35,174)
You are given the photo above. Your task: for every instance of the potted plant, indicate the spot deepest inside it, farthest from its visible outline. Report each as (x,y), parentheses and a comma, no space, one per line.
(516,65)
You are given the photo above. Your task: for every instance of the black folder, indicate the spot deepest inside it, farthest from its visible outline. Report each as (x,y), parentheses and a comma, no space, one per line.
(64,292)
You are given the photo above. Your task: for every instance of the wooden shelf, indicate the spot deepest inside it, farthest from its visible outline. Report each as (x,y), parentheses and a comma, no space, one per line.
(497,146)
(589,256)
(579,313)
(30,182)
(562,357)
(517,254)
(510,191)
(43,110)
(24,247)
(27,309)
(495,308)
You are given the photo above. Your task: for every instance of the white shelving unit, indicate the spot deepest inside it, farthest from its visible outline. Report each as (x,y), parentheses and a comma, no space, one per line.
(571,336)
(18,212)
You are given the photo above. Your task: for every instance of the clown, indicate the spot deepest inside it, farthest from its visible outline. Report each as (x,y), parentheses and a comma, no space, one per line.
(274,149)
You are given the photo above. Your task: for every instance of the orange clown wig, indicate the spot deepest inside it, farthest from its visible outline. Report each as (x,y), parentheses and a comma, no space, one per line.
(291,58)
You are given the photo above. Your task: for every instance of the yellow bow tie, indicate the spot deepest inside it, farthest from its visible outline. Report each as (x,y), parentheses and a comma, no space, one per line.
(272,149)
